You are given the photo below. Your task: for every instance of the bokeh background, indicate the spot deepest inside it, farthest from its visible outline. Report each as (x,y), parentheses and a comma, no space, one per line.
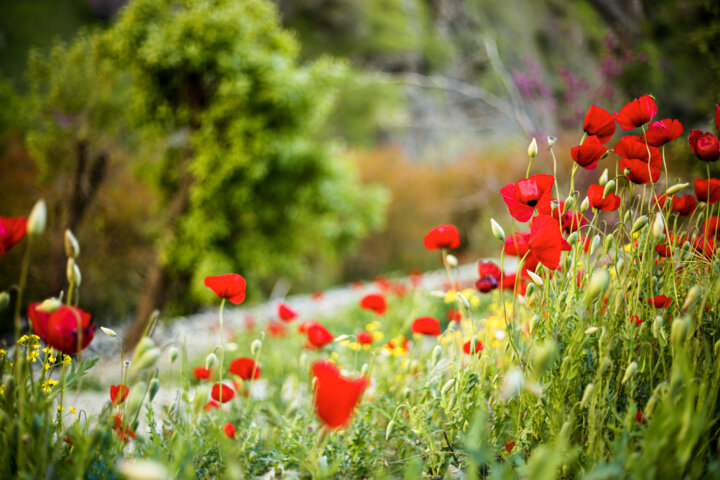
(305,143)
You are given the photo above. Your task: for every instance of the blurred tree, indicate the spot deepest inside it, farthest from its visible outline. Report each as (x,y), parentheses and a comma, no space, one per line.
(243,183)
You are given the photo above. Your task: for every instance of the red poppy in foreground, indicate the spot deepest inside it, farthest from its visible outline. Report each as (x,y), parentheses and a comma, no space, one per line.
(478,347)
(607,204)
(229,430)
(335,395)
(640,418)
(660,301)
(230,286)
(705,146)
(245,368)
(318,336)
(600,123)
(118,394)
(364,338)
(636,113)
(442,236)
(634,157)
(635,319)
(527,194)
(62,328)
(12,230)
(227,393)
(701,190)
(589,153)
(683,205)
(202,373)
(517,244)
(426,326)
(286,313)
(546,242)
(662,132)
(375,302)
(489,274)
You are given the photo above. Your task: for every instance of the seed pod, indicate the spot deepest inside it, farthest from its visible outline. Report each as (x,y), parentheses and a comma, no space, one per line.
(72,246)
(532,149)
(37,219)
(629,372)
(609,188)
(497,230)
(603,178)
(639,224)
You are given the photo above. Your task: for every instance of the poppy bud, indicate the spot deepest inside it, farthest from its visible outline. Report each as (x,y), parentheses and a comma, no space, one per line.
(389,429)
(147,360)
(603,178)
(691,297)
(50,305)
(532,148)
(676,188)
(255,346)
(364,369)
(679,330)
(639,224)
(626,171)
(4,300)
(435,354)
(37,219)
(587,393)
(529,290)
(201,395)
(657,326)
(595,243)
(451,260)
(142,469)
(135,398)
(627,216)
(448,385)
(598,284)
(658,227)
(569,202)
(535,278)
(497,230)
(551,141)
(464,300)
(605,365)
(572,238)
(173,354)
(585,205)
(210,361)
(73,273)
(609,188)
(591,330)
(107,331)
(72,247)
(629,372)
(153,388)
(145,344)
(609,243)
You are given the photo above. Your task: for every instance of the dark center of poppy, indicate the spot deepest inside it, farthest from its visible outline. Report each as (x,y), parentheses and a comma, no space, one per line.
(532,203)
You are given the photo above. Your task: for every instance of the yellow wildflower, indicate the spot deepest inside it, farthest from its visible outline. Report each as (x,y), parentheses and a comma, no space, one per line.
(66,360)
(60,408)
(72,410)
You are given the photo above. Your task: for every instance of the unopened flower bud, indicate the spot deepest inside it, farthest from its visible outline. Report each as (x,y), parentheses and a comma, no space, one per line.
(595,243)
(658,227)
(210,361)
(554,204)
(73,273)
(589,389)
(691,296)
(464,300)
(72,247)
(584,205)
(629,372)
(657,326)
(591,330)
(451,260)
(639,224)
(551,141)
(153,388)
(173,353)
(4,300)
(389,429)
(679,330)
(255,346)
(572,238)
(609,188)
(676,188)
(603,178)
(626,171)
(436,352)
(597,286)
(627,216)
(449,384)
(532,148)
(201,395)
(145,344)
(109,332)
(529,290)
(535,278)
(37,219)
(147,360)
(49,305)
(135,398)
(569,202)
(497,230)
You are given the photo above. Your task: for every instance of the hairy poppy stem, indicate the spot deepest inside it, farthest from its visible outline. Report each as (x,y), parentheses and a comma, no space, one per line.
(222,349)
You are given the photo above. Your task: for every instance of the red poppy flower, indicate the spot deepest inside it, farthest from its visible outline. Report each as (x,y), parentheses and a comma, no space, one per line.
(639,417)
(517,244)
(607,204)
(660,301)
(335,395)
(245,368)
(489,276)
(454,315)
(317,296)
(304,326)
(318,336)
(509,446)
(227,393)
(426,326)
(571,222)
(211,405)
(123,432)
(634,156)
(684,205)
(364,338)
(668,246)
(202,373)
(509,280)
(375,302)
(230,286)
(442,236)
(704,145)
(486,284)
(635,319)
(60,329)
(717,116)
(711,227)
(706,245)
(276,329)
(589,153)
(229,430)
(600,123)
(662,132)
(546,242)
(12,230)
(118,394)
(478,347)
(527,194)
(701,190)
(636,113)
(286,313)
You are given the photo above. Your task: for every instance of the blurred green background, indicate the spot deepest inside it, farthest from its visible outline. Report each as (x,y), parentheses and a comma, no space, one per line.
(306,142)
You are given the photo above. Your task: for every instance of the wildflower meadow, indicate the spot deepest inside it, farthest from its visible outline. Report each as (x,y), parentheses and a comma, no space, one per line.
(594,356)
